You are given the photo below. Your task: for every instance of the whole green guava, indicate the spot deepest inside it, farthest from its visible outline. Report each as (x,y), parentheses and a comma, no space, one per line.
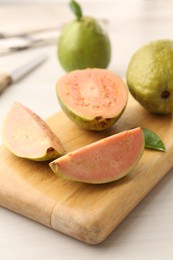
(83,43)
(150,76)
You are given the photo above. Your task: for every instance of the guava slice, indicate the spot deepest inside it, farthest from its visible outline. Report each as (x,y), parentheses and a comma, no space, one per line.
(26,135)
(92,98)
(103,161)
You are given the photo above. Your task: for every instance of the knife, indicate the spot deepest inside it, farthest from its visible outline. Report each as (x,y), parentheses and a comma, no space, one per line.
(6,79)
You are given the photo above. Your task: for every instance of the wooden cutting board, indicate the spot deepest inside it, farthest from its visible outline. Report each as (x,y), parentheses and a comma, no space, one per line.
(86,212)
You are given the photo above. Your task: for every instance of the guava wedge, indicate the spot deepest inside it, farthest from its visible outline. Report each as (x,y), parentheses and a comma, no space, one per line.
(92,98)
(103,161)
(26,135)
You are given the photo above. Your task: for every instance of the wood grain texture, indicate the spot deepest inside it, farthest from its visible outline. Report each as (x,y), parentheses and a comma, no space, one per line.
(84,211)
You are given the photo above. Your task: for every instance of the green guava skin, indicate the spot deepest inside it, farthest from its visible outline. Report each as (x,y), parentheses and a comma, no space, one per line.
(150,76)
(83,44)
(50,155)
(95,124)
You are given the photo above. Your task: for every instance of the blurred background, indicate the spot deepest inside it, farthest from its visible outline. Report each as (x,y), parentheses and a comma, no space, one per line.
(56,1)
(129,23)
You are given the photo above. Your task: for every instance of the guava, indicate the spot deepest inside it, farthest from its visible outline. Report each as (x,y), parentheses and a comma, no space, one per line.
(83,43)
(150,76)
(26,135)
(104,161)
(94,99)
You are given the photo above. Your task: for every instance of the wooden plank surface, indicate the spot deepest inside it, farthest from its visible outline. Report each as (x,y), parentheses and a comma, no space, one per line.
(84,211)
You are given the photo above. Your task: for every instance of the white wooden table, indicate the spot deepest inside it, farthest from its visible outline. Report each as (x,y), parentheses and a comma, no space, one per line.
(147,233)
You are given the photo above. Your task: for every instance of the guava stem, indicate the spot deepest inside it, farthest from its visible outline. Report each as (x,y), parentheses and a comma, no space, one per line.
(76,9)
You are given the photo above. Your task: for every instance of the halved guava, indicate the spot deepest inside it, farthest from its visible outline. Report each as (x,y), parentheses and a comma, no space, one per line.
(26,135)
(93,98)
(103,161)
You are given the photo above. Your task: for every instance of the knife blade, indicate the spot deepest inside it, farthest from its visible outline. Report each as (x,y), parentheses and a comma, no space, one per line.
(6,79)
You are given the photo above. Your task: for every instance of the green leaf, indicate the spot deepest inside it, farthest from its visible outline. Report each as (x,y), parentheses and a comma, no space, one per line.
(75,7)
(153,141)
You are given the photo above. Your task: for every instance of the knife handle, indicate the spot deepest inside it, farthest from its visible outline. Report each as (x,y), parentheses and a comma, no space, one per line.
(5,81)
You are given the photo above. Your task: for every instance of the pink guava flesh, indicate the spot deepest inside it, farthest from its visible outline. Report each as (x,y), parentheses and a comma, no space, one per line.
(26,135)
(91,96)
(106,160)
